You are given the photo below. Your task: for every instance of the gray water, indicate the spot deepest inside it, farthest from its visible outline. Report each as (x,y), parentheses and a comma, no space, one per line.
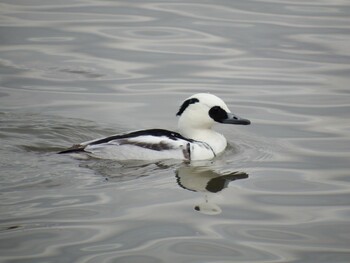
(76,70)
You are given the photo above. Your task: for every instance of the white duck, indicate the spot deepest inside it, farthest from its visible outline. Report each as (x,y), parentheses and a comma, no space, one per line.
(195,140)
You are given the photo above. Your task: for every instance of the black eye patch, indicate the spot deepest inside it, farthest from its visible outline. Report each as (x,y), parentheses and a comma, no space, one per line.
(218,114)
(185,105)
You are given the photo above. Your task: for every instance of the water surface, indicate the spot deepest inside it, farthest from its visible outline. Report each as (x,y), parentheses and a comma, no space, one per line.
(77,70)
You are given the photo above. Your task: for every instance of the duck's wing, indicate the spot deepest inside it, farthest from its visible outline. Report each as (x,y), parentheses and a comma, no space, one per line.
(139,145)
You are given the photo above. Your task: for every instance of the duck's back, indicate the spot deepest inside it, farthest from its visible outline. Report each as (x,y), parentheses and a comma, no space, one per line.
(154,144)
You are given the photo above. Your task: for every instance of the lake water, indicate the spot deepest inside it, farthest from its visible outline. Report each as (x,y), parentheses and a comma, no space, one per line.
(77,70)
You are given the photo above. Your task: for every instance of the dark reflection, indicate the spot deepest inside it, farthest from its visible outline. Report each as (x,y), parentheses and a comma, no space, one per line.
(13,227)
(203,179)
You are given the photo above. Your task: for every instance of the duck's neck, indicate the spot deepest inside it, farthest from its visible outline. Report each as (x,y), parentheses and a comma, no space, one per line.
(215,140)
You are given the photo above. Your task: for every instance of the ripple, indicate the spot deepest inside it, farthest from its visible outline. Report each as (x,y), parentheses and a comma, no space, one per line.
(335,43)
(137,258)
(279,237)
(167,40)
(333,199)
(39,70)
(102,248)
(41,243)
(205,250)
(165,34)
(51,39)
(277,14)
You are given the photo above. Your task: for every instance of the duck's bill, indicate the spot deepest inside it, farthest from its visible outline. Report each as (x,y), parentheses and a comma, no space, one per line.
(234,119)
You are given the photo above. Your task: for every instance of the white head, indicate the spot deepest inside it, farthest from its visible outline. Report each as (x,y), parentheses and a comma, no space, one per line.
(202,110)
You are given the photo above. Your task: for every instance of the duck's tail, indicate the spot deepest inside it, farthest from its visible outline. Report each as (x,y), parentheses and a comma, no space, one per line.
(74,149)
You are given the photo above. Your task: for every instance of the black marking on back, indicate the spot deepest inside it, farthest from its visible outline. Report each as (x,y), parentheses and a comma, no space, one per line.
(186,104)
(218,114)
(152,132)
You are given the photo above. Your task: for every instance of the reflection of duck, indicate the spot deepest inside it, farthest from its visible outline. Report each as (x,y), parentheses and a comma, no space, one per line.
(202,179)
(196,140)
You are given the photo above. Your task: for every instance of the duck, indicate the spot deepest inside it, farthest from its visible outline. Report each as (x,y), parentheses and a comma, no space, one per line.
(195,139)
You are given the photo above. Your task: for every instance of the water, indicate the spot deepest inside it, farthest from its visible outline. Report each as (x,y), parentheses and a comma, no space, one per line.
(76,70)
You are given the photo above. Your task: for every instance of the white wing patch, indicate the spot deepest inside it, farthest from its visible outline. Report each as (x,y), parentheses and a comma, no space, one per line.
(145,147)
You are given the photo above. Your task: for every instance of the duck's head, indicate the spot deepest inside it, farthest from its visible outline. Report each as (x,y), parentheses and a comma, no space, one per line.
(202,110)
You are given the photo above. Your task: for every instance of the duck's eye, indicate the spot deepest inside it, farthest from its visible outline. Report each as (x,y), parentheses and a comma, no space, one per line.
(217,114)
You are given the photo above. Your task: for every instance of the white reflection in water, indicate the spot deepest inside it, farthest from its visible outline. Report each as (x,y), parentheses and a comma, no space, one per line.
(202,179)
